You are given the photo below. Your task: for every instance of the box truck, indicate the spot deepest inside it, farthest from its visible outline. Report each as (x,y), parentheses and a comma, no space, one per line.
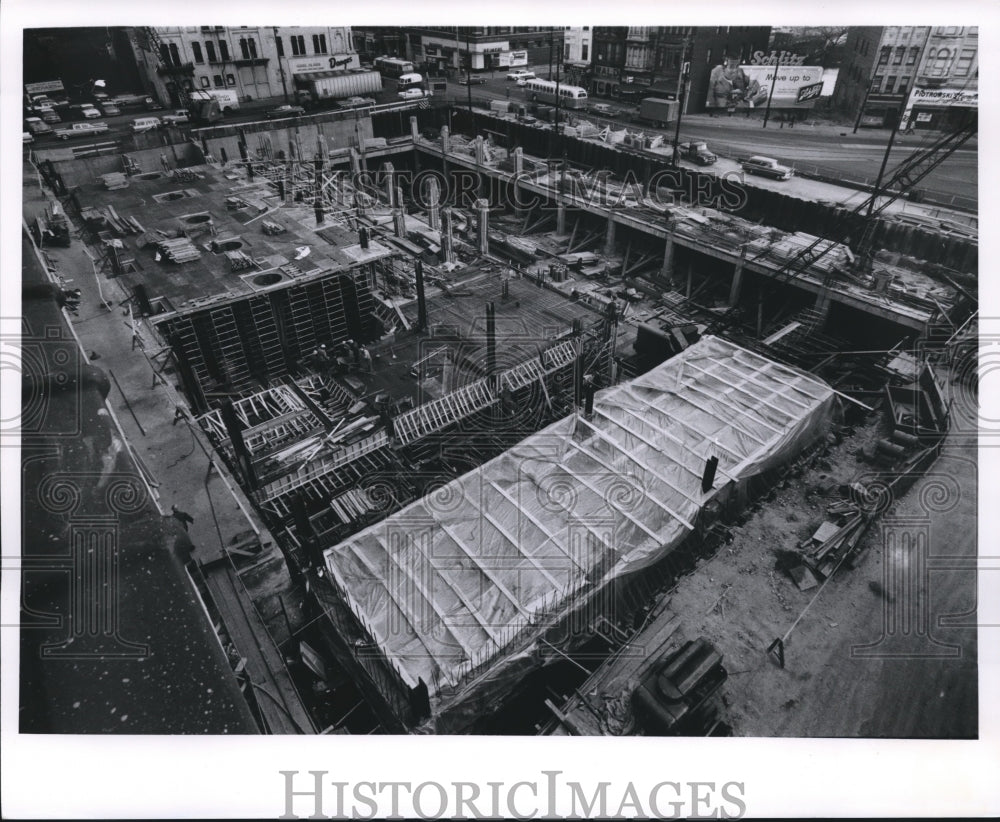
(322,87)
(657,111)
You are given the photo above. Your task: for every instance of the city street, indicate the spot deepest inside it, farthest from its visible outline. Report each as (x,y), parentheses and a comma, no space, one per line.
(825,148)
(812,148)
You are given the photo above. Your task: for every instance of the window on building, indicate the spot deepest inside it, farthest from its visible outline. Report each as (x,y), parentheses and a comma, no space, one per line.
(319,44)
(196,51)
(230,80)
(890,84)
(298,44)
(217,79)
(175,54)
(223,50)
(904,85)
(205,82)
(566,52)
(584,49)
(708,56)
(280,46)
(244,48)
(210,51)
(964,63)
(164,54)
(898,59)
(939,68)
(913,55)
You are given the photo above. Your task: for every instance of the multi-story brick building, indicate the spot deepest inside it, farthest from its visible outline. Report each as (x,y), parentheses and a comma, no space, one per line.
(490,47)
(257,62)
(631,62)
(931,70)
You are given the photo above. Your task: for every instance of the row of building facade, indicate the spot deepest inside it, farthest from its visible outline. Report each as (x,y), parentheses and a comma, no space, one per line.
(924,74)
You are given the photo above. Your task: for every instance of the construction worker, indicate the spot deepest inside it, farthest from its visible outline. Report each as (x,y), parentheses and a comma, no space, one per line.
(366,359)
(183,517)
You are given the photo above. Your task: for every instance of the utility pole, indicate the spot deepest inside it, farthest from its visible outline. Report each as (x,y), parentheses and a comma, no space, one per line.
(468,70)
(681,95)
(774,82)
(281,68)
(864,102)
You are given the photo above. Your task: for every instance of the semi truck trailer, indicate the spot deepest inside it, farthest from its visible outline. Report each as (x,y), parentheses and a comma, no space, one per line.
(327,86)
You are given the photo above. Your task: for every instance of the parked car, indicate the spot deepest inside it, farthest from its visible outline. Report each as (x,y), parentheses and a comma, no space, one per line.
(36,125)
(285,111)
(603,109)
(177,116)
(142,124)
(81,130)
(411,94)
(27,137)
(49,115)
(520,74)
(472,80)
(697,152)
(765,167)
(357,102)
(110,109)
(90,113)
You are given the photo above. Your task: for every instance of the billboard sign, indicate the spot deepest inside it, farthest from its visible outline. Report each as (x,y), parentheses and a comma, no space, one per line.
(44,88)
(513,58)
(930,98)
(307,65)
(944,97)
(736,86)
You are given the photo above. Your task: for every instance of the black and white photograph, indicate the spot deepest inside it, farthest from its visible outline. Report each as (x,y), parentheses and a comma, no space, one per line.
(445,389)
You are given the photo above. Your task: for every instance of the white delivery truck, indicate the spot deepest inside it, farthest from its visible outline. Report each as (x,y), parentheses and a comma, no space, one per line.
(320,87)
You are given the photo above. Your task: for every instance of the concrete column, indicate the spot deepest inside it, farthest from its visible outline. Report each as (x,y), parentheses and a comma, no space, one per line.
(399,199)
(483,208)
(823,301)
(445,139)
(609,237)
(518,161)
(433,206)
(355,161)
(687,286)
(560,219)
(399,222)
(667,270)
(446,227)
(734,292)
(390,184)
(414,129)
(480,152)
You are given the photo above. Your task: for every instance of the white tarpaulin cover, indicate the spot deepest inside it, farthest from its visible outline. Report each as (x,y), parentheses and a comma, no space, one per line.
(457,582)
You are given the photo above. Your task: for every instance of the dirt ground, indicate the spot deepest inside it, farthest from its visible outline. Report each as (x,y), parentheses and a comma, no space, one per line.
(917,677)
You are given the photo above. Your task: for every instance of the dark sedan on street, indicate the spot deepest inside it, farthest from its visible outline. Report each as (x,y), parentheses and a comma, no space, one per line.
(285,111)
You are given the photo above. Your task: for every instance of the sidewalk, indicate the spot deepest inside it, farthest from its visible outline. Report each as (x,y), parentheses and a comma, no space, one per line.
(180,461)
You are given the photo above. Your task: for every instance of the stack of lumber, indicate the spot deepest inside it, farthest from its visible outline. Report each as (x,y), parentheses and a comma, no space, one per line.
(351,505)
(836,538)
(271,228)
(238,261)
(114,180)
(121,225)
(186,175)
(179,250)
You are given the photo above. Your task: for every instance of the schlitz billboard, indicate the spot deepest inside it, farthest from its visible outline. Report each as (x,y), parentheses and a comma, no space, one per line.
(731,85)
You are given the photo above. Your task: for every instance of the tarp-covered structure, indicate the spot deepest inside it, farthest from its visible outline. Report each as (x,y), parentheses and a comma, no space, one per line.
(460,590)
